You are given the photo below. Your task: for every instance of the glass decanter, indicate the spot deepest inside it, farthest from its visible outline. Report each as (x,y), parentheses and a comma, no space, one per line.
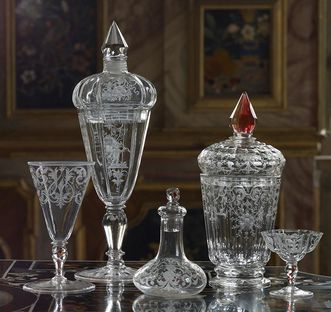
(240,184)
(170,274)
(114,111)
(291,246)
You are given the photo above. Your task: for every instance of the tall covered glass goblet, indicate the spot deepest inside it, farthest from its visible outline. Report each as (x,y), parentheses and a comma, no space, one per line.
(114,110)
(60,187)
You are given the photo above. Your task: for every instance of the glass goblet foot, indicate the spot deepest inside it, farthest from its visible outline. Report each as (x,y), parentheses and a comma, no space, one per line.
(114,223)
(107,274)
(291,293)
(54,286)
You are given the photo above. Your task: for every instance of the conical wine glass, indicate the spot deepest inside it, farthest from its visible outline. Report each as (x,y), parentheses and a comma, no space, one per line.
(60,186)
(291,246)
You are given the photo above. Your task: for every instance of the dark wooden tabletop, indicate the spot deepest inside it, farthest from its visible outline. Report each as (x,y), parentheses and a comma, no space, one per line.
(14,273)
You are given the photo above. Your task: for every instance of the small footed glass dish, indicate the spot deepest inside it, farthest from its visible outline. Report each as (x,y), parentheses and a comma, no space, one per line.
(291,246)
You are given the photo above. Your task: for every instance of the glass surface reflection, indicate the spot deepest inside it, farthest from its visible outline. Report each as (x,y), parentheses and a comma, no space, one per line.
(239,302)
(154,304)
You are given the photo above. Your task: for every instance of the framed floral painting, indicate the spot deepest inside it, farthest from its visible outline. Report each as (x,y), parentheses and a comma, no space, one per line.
(51,46)
(240,48)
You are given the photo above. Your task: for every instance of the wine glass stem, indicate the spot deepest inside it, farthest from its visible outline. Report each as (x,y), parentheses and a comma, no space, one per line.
(59,255)
(291,272)
(114,223)
(58,302)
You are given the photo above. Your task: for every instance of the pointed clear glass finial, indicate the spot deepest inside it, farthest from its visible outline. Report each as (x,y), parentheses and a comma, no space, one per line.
(243,117)
(114,44)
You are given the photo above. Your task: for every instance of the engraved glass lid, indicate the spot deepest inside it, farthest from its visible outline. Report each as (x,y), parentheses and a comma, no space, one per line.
(241,154)
(115,87)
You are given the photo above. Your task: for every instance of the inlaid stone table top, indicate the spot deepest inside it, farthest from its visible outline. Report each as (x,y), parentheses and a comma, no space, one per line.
(14,273)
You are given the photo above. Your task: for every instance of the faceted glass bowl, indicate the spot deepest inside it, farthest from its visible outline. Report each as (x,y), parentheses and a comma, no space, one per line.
(291,246)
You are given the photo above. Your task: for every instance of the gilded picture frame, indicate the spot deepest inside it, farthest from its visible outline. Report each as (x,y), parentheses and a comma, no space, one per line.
(237,46)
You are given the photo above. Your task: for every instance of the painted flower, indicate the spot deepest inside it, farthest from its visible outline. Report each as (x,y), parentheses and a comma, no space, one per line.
(263,18)
(263,28)
(263,25)
(28,76)
(248,32)
(65,6)
(219,63)
(29,50)
(233,28)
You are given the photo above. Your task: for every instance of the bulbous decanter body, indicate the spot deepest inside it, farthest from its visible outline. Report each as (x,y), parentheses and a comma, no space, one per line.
(170,274)
(240,184)
(114,110)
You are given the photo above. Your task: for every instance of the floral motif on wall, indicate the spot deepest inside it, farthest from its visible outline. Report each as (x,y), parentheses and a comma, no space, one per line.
(55,44)
(236,51)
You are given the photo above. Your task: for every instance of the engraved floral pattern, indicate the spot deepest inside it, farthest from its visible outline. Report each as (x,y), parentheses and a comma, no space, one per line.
(291,244)
(120,89)
(170,274)
(247,207)
(59,185)
(146,304)
(236,157)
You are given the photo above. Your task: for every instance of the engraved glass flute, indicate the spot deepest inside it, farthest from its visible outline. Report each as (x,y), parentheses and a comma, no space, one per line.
(60,187)
(291,246)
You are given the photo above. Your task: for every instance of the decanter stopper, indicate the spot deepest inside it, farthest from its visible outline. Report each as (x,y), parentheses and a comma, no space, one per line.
(170,274)
(173,195)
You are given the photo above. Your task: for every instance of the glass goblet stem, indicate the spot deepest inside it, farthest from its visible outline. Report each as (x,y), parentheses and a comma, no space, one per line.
(114,224)
(58,302)
(59,256)
(291,272)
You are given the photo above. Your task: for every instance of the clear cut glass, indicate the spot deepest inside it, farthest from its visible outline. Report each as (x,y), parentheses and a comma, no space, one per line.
(114,110)
(240,184)
(60,187)
(170,274)
(154,304)
(239,302)
(291,246)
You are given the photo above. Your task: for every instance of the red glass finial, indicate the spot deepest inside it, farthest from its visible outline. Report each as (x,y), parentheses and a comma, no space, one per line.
(243,117)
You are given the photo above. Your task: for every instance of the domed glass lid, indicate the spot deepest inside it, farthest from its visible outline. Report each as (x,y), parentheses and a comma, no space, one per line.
(242,154)
(115,87)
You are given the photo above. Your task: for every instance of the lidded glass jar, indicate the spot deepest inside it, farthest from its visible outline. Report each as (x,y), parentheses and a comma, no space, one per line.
(240,184)
(170,274)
